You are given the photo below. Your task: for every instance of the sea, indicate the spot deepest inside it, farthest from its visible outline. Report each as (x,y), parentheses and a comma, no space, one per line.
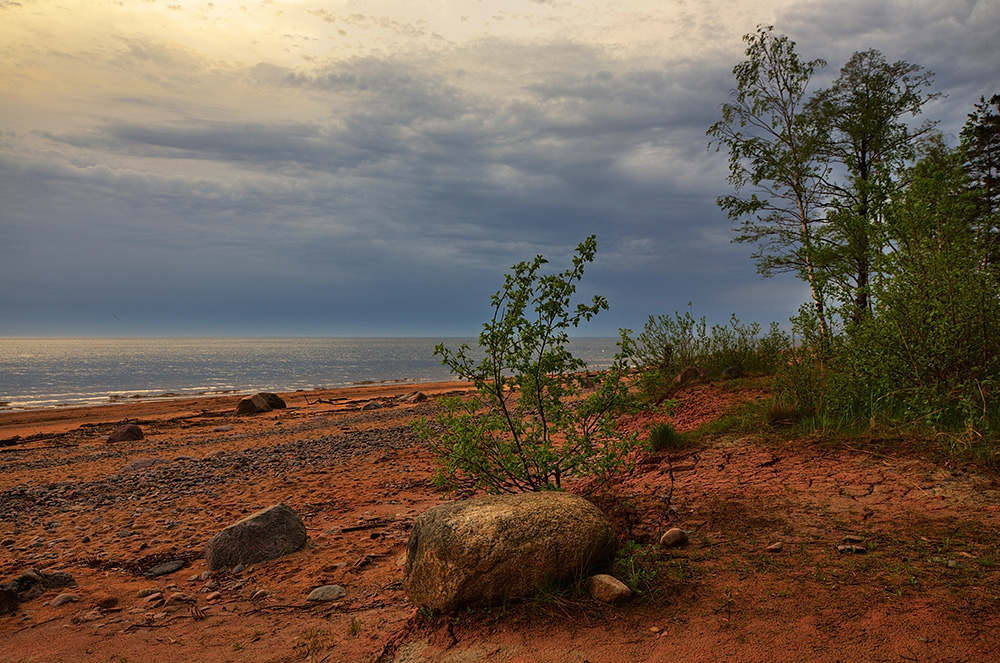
(62,372)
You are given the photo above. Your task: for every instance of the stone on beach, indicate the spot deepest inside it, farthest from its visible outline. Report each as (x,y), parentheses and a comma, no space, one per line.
(264,535)
(126,433)
(327,593)
(608,589)
(261,402)
(487,550)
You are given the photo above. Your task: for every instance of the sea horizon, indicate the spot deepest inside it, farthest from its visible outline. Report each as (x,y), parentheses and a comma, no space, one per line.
(38,372)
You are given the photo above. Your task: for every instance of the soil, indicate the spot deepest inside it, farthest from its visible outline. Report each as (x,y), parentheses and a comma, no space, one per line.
(797,551)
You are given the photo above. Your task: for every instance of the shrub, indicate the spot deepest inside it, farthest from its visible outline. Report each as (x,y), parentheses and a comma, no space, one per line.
(536,417)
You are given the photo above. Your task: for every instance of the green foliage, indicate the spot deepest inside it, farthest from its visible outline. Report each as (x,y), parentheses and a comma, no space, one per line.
(638,566)
(536,417)
(775,160)
(663,437)
(668,344)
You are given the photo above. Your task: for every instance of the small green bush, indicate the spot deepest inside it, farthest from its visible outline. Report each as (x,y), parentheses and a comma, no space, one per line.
(536,417)
(663,437)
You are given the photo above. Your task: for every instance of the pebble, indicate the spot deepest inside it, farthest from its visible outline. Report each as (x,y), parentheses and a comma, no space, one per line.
(149,591)
(775,547)
(213,596)
(165,568)
(259,594)
(179,597)
(674,537)
(327,593)
(62,599)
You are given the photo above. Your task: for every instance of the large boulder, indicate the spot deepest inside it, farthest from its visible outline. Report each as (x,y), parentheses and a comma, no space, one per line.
(262,402)
(487,550)
(267,534)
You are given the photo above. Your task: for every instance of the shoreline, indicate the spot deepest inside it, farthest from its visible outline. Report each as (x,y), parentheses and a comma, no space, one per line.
(20,426)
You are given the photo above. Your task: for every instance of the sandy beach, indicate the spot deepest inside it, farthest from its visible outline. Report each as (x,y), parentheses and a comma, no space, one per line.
(925,587)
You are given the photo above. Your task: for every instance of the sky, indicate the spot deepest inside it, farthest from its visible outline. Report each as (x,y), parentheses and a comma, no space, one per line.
(374,167)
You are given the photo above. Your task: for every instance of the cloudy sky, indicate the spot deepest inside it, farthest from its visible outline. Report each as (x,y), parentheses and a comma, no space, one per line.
(373,167)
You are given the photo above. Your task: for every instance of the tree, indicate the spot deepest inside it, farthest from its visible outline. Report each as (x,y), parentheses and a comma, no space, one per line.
(862,113)
(529,424)
(981,151)
(775,164)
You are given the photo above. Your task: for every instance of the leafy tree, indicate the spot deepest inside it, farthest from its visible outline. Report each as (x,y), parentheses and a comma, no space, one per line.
(862,115)
(931,350)
(536,417)
(775,161)
(981,151)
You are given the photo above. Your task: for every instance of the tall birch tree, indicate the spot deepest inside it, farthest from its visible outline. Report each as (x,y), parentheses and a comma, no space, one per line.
(775,162)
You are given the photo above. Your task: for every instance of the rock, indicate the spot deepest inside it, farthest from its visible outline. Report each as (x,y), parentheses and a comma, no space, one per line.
(222,429)
(262,594)
(126,433)
(141,463)
(413,397)
(63,599)
(327,593)
(487,550)
(213,596)
(732,372)
(774,547)
(165,568)
(253,405)
(267,534)
(674,537)
(273,400)
(33,583)
(608,589)
(179,597)
(8,600)
(372,405)
(689,374)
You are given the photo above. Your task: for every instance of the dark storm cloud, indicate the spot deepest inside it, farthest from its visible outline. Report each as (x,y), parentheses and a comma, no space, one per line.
(395,204)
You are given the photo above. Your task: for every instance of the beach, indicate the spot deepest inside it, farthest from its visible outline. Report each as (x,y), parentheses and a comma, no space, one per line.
(108,513)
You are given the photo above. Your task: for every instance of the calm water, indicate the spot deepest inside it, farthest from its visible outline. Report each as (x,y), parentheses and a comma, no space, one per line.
(37,373)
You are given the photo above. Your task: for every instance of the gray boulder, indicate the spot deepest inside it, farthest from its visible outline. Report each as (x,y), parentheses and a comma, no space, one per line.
(487,550)
(30,585)
(126,433)
(267,534)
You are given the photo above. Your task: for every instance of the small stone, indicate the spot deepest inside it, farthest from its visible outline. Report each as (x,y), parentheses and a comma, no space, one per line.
(206,574)
(954,564)
(775,547)
(165,568)
(63,599)
(327,593)
(654,629)
(8,542)
(213,596)
(89,616)
(85,539)
(372,405)
(608,589)
(149,591)
(674,537)
(259,594)
(852,539)
(239,568)
(222,429)
(154,600)
(179,597)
